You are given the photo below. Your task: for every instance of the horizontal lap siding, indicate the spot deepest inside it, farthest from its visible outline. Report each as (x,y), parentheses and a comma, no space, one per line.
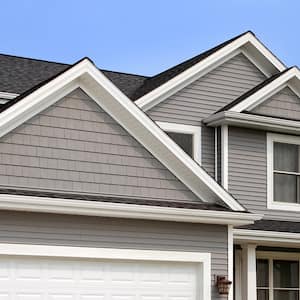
(247,167)
(74,146)
(285,104)
(50,229)
(207,95)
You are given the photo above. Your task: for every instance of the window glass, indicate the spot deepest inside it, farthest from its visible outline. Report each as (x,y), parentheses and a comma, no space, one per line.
(262,271)
(262,294)
(286,295)
(285,188)
(286,157)
(185,141)
(286,274)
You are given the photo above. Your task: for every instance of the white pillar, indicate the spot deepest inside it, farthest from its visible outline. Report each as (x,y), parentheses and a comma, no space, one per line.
(249,272)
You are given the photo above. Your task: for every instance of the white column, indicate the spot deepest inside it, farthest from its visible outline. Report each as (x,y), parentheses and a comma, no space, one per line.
(249,272)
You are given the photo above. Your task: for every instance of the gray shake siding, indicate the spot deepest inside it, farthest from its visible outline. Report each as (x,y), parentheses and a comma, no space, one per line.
(247,172)
(207,95)
(80,231)
(74,146)
(285,104)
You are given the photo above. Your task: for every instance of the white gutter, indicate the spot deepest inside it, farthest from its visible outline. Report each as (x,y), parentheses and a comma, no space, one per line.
(119,210)
(253,121)
(266,237)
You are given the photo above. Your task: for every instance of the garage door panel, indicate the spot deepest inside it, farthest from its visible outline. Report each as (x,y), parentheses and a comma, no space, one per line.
(23,278)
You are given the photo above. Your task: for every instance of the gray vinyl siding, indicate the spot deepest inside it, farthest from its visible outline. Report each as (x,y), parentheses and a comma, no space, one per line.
(247,172)
(284,104)
(74,146)
(207,95)
(81,231)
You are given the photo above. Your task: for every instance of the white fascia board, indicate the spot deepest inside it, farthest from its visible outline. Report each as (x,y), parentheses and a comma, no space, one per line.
(86,76)
(120,210)
(203,67)
(8,96)
(267,91)
(253,121)
(266,237)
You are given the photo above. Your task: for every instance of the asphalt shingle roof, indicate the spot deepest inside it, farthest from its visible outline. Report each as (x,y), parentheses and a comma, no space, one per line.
(273,225)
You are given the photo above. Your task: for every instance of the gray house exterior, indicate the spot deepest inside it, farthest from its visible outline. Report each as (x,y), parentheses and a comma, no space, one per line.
(183,185)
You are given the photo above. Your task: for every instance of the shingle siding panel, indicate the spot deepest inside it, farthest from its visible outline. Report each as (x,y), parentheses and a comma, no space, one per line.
(75,146)
(80,231)
(285,104)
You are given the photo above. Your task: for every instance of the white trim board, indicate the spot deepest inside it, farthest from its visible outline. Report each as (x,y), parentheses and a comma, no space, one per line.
(281,138)
(86,76)
(120,210)
(290,78)
(253,121)
(195,131)
(266,238)
(201,259)
(247,43)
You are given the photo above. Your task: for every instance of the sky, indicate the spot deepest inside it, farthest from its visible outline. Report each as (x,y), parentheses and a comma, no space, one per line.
(140,36)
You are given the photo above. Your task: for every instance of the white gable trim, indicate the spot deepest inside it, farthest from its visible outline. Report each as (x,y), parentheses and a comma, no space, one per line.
(86,76)
(247,44)
(269,90)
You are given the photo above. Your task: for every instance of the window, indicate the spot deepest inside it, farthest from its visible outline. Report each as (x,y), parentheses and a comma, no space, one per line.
(283,172)
(186,136)
(277,279)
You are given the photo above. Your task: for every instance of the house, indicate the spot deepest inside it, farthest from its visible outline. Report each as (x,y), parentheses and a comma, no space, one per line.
(183,185)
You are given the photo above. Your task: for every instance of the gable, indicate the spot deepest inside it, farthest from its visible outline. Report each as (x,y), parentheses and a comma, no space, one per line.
(208,94)
(284,104)
(75,146)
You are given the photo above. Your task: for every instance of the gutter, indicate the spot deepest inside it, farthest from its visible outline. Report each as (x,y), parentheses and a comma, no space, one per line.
(120,210)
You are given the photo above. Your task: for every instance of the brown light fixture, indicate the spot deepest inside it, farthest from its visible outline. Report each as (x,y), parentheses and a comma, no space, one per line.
(223,285)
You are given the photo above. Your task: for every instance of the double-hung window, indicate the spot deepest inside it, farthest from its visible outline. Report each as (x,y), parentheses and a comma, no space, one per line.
(283,171)
(277,279)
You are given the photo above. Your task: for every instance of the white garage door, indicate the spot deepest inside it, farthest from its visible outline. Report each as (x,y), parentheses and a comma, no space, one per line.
(34,278)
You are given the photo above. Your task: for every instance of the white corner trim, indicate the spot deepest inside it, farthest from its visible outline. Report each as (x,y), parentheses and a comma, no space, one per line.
(203,260)
(266,237)
(230,260)
(120,210)
(183,79)
(267,91)
(86,76)
(224,156)
(186,129)
(216,154)
(271,138)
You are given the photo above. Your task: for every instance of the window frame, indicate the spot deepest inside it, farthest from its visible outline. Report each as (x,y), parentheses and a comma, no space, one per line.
(195,131)
(271,139)
(271,256)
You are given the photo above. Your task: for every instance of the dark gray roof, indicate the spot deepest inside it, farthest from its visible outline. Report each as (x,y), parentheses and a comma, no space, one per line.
(273,225)
(101,198)
(20,74)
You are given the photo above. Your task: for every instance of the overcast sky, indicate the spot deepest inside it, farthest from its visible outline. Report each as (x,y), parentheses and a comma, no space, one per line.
(143,36)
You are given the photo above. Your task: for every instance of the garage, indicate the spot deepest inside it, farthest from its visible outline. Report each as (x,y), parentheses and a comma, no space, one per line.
(42,273)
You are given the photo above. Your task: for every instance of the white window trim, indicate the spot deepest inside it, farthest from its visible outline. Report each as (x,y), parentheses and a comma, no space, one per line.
(281,138)
(270,256)
(202,259)
(186,129)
